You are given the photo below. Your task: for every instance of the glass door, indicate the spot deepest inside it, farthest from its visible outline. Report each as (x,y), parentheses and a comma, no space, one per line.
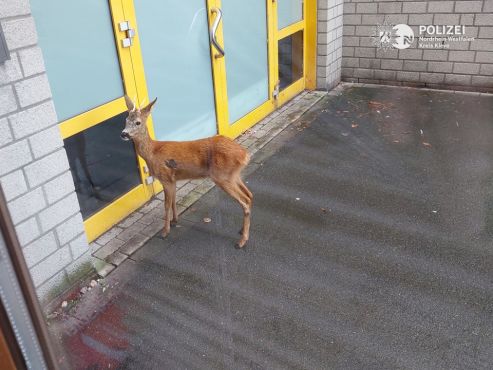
(259,54)
(174,42)
(219,66)
(88,62)
(242,59)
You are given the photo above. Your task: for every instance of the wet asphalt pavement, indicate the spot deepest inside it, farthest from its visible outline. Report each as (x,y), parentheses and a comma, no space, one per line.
(371,248)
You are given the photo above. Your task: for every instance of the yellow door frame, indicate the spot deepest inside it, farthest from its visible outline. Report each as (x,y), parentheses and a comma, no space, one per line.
(98,223)
(308,81)
(308,24)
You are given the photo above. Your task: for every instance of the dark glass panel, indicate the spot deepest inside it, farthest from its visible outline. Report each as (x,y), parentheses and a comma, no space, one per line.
(290,59)
(104,167)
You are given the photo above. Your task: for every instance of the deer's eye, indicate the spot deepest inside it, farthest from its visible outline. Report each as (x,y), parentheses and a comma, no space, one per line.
(137,123)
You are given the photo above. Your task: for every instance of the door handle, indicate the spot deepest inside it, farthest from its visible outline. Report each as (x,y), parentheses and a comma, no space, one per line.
(215,24)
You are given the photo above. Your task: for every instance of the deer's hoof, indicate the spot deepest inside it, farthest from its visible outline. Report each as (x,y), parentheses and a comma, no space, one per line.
(173,223)
(163,235)
(241,244)
(241,231)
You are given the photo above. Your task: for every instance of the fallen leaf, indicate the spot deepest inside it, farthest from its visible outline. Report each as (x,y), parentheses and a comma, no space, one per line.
(64,304)
(354,125)
(426,144)
(373,103)
(207,220)
(297,198)
(396,141)
(323,210)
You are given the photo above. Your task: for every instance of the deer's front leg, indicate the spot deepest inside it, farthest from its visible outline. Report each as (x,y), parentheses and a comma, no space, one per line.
(168,201)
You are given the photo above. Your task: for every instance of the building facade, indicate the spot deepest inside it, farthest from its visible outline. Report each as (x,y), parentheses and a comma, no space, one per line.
(215,68)
(463,63)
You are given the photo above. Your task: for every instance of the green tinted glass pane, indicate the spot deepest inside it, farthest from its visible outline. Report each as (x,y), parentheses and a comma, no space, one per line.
(289,12)
(245,44)
(174,37)
(103,166)
(79,49)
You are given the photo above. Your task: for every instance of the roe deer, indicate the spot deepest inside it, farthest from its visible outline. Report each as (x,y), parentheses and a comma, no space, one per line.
(217,157)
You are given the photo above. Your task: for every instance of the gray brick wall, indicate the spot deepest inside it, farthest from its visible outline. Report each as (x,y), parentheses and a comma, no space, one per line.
(465,66)
(34,171)
(329,48)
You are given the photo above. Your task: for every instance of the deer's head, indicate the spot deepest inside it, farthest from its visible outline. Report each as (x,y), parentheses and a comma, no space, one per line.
(135,124)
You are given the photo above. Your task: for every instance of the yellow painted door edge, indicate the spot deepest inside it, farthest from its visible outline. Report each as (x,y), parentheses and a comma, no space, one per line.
(103,220)
(311,44)
(110,215)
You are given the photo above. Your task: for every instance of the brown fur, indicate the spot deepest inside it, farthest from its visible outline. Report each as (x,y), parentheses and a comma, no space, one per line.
(217,157)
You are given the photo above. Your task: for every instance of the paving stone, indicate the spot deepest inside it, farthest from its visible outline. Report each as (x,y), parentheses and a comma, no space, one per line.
(156,226)
(204,187)
(180,209)
(109,235)
(108,248)
(197,181)
(150,206)
(129,232)
(248,142)
(190,199)
(134,243)
(156,214)
(181,183)
(130,220)
(116,258)
(105,269)
(184,190)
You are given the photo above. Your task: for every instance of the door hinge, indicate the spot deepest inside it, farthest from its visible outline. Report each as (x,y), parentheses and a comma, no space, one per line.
(275,92)
(129,32)
(149,180)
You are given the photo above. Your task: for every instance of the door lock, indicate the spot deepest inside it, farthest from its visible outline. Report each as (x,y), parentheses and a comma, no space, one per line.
(129,32)
(275,93)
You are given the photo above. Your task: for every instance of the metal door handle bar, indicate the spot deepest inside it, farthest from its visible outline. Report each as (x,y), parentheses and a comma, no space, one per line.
(214,29)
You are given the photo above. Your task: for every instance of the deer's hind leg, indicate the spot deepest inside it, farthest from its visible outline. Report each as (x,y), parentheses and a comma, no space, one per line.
(232,188)
(247,193)
(174,220)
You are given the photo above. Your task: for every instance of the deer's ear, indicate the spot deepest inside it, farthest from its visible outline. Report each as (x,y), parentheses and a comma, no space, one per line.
(130,103)
(147,109)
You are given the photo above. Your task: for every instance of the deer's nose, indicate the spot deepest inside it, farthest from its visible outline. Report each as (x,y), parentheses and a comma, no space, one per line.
(124,135)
